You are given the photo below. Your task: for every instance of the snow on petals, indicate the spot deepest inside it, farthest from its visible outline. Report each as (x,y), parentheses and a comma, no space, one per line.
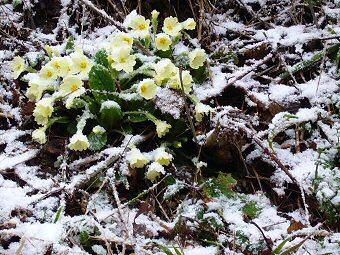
(136,158)
(79,142)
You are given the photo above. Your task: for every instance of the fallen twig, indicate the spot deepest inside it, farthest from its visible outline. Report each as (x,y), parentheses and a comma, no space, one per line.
(271,154)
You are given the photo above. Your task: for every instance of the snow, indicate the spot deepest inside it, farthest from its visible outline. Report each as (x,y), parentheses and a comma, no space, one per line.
(285,35)
(201,251)
(169,101)
(9,162)
(9,189)
(280,93)
(109,104)
(219,83)
(25,185)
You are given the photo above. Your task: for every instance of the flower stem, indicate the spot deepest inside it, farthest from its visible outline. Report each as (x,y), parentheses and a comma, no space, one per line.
(187,110)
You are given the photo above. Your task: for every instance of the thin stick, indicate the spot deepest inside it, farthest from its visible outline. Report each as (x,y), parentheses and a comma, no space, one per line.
(116,9)
(269,153)
(241,76)
(121,213)
(269,242)
(200,25)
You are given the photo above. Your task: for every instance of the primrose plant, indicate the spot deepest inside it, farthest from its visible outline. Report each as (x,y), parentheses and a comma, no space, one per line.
(120,87)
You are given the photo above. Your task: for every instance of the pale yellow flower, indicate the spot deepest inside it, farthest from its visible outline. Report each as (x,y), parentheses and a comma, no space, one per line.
(197,58)
(49,50)
(61,65)
(129,18)
(154,14)
(171,26)
(70,84)
(165,69)
(43,110)
(162,128)
(48,73)
(39,135)
(202,109)
(189,24)
(154,171)
(18,66)
(175,82)
(80,64)
(98,130)
(147,88)
(122,39)
(136,158)
(187,81)
(52,51)
(122,60)
(70,98)
(140,26)
(162,157)
(36,89)
(163,42)
(79,142)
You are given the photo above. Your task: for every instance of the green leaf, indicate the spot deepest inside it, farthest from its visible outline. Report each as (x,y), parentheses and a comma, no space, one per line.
(101,58)
(141,105)
(61,120)
(70,45)
(250,209)
(223,184)
(226,183)
(177,251)
(16,3)
(165,250)
(72,127)
(97,141)
(294,247)
(314,3)
(309,62)
(280,246)
(137,117)
(58,214)
(200,75)
(164,54)
(93,105)
(85,238)
(101,81)
(200,214)
(78,103)
(169,180)
(110,115)
(291,116)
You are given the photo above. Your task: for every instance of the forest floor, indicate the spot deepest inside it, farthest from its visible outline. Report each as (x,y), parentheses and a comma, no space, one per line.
(268,178)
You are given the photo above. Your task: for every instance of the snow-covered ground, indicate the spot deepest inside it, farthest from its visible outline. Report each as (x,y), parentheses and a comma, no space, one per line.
(290,124)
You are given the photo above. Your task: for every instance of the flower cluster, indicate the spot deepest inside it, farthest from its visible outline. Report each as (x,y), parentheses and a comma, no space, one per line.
(158,158)
(127,70)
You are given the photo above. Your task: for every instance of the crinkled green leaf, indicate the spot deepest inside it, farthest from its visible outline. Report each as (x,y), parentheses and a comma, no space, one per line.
(97,141)
(223,184)
(101,83)
(101,58)
(200,75)
(110,117)
(251,209)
